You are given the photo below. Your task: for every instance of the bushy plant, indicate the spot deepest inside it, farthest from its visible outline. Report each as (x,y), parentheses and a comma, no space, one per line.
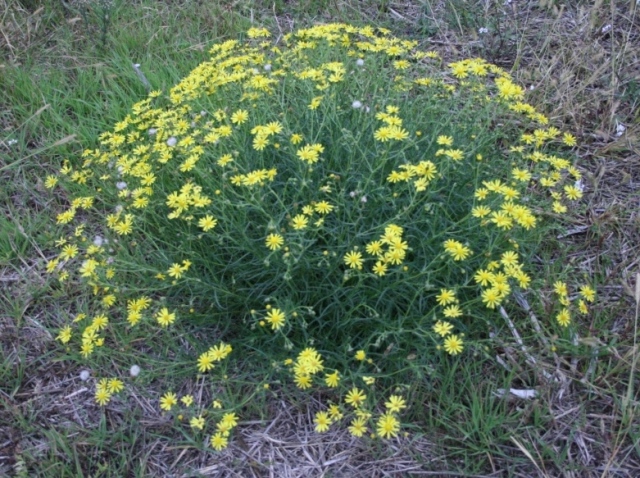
(340,205)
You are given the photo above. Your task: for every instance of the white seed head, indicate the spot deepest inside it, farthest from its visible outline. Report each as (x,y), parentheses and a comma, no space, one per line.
(121,185)
(363,199)
(359,62)
(152,131)
(172,141)
(134,371)
(84,375)
(267,67)
(356,104)
(97,241)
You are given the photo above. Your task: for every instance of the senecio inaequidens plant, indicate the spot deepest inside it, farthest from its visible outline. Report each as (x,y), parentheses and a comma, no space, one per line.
(342,202)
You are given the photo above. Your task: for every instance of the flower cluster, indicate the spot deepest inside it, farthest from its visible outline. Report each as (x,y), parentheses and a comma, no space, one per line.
(341,190)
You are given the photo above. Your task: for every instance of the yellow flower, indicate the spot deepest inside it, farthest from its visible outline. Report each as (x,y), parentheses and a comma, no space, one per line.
(588,293)
(276,318)
(332,380)
(442,328)
(239,117)
(446,297)
(395,403)
(115,385)
(564,317)
(355,397)
(205,362)
(206,223)
(444,140)
(197,422)
(572,192)
(360,355)
(165,318)
(453,345)
(491,298)
(187,400)
(274,241)
(323,207)
(102,396)
(168,400)
(299,222)
(380,268)
(374,248)
(219,441)
(50,182)
(65,334)
(322,422)
(353,259)
(175,271)
(358,427)
(388,426)
(69,252)
(452,311)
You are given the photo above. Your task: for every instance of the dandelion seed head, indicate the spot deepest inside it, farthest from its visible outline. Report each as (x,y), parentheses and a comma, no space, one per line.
(84,375)
(134,371)
(356,104)
(172,141)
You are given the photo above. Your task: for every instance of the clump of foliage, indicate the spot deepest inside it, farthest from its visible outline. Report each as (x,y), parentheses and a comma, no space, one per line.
(341,206)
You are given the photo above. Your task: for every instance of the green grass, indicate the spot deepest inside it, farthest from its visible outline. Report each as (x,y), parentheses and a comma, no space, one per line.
(88,85)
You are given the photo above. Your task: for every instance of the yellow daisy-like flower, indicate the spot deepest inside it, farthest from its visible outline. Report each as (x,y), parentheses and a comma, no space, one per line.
(445,297)
(564,317)
(65,334)
(115,385)
(355,397)
(572,192)
(452,311)
(168,400)
(239,117)
(205,362)
(442,328)
(219,441)
(323,207)
(276,318)
(175,271)
(395,403)
(274,241)
(374,248)
(358,427)
(353,259)
(207,223)
(187,400)
(360,355)
(165,318)
(588,293)
(197,422)
(453,345)
(380,268)
(491,298)
(332,380)
(322,422)
(102,396)
(388,426)
(299,222)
